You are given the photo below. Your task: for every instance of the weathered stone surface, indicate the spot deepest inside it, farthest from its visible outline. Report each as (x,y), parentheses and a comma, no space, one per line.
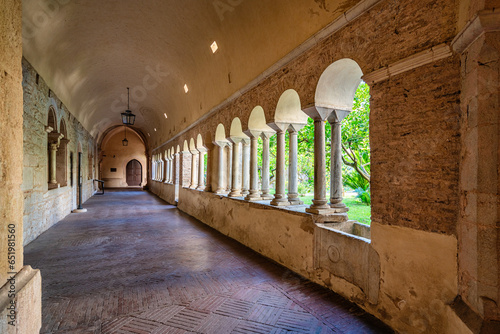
(27,318)
(415,148)
(43,206)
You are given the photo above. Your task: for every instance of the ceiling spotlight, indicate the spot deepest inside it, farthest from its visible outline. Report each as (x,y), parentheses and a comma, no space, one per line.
(186,89)
(155,129)
(165,114)
(214,47)
(127,117)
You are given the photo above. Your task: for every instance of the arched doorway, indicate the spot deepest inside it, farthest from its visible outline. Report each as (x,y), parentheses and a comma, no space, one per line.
(134,173)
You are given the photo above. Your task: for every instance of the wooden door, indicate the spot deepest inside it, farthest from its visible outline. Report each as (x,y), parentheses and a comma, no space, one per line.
(134,173)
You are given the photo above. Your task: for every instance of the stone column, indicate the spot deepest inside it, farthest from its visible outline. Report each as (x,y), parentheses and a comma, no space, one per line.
(53,166)
(280,196)
(167,169)
(201,168)
(335,120)
(319,205)
(220,166)
(184,169)
(245,179)
(293,195)
(254,195)
(210,156)
(194,174)
(172,169)
(170,166)
(175,171)
(265,165)
(235,184)
(229,162)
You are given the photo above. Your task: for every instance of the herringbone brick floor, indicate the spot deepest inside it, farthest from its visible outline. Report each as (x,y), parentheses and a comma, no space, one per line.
(134,264)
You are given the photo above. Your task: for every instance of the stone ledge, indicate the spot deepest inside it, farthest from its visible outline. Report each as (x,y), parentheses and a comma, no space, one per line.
(28,298)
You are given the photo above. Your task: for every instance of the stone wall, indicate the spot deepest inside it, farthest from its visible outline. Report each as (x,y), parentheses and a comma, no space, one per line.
(43,206)
(415,138)
(28,291)
(11,132)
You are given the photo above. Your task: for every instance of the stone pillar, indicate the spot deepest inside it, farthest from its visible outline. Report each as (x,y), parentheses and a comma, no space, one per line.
(479,182)
(210,156)
(175,170)
(167,169)
(280,195)
(235,184)
(293,195)
(319,205)
(265,165)
(185,172)
(245,179)
(254,194)
(172,168)
(336,188)
(229,162)
(201,168)
(53,163)
(220,167)
(194,174)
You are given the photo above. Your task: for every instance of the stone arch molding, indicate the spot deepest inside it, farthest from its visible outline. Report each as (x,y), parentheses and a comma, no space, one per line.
(288,109)
(257,123)
(337,85)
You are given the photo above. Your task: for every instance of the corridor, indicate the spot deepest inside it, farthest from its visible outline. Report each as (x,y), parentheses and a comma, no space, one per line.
(133,264)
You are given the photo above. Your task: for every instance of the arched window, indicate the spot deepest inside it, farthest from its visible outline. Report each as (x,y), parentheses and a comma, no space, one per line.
(53,142)
(62,155)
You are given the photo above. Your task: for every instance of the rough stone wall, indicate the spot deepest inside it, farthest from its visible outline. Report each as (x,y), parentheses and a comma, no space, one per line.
(44,207)
(415,148)
(478,232)
(11,132)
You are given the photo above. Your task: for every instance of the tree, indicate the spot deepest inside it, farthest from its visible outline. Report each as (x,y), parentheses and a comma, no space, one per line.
(355,134)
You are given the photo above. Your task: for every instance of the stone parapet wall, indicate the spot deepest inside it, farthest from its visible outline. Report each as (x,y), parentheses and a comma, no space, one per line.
(407,278)
(43,207)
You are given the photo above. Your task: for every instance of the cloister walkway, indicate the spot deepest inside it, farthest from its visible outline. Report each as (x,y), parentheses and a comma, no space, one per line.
(133,264)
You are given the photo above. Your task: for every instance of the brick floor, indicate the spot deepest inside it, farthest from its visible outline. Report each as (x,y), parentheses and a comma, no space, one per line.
(134,264)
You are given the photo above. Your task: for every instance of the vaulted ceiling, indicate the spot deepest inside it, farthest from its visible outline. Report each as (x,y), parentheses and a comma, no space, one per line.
(90,51)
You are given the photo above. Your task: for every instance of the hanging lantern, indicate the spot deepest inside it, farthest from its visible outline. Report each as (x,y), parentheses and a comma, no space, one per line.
(127,117)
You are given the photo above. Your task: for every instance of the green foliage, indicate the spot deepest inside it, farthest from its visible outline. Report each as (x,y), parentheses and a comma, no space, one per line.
(353,180)
(364,195)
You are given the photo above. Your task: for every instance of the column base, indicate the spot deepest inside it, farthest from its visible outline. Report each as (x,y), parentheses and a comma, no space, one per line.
(235,193)
(245,192)
(295,201)
(253,198)
(320,211)
(79,210)
(339,207)
(266,197)
(201,188)
(280,202)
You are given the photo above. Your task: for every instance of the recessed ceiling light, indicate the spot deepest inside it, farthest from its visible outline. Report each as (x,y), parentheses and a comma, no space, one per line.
(155,129)
(186,89)
(165,114)
(149,134)
(214,47)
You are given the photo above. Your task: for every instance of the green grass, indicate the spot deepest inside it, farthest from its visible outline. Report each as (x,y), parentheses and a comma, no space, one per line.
(357,210)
